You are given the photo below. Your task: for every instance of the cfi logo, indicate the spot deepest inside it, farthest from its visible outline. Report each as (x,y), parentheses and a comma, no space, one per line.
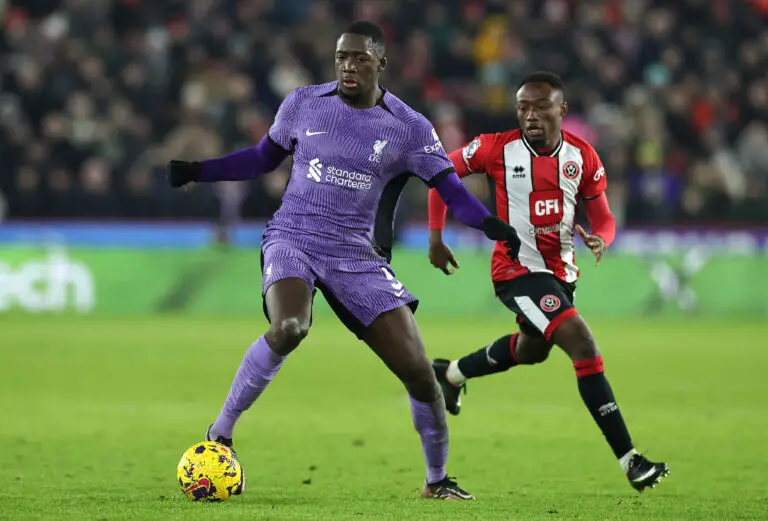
(571,169)
(315,170)
(549,303)
(378,150)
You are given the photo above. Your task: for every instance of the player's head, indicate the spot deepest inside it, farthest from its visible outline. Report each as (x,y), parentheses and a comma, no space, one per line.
(360,59)
(541,107)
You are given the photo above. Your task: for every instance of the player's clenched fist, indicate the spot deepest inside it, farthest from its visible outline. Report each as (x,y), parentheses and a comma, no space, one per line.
(593,242)
(179,173)
(497,230)
(441,257)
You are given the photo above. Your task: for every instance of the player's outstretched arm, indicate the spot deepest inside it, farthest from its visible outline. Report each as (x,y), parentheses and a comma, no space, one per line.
(250,162)
(428,161)
(239,166)
(436,207)
(471,212)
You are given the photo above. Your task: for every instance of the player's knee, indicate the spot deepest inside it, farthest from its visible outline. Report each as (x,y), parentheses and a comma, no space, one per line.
(574,337)
(584,347)
(294,330)
(420,382)
(536,356)
(541,356)
(288,334)
(530,351)
(423,389)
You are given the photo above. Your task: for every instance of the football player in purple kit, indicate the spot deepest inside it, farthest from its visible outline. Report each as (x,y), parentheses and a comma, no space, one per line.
(354,146)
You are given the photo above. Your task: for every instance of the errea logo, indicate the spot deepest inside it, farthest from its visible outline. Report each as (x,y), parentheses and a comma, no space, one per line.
(315,170)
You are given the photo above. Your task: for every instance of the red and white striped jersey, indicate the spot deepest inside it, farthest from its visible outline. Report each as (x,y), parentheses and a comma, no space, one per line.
(536,193)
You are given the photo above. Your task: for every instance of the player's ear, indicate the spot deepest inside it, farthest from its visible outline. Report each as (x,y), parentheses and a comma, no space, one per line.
(382,63)
(564,109)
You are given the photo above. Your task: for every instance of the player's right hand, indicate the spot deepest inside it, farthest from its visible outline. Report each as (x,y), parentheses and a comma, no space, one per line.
(179,173)
(497,230)
(441,257)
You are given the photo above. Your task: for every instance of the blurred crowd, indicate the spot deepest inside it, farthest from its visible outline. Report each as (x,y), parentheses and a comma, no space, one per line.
(97,95)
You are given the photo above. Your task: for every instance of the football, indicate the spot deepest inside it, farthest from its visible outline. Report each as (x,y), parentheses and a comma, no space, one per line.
(209,471)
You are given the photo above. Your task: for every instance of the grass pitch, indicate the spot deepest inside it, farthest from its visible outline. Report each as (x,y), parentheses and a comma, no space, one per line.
(96,414)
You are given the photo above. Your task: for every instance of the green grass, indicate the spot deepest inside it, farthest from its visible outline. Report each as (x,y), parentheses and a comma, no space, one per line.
(96,414)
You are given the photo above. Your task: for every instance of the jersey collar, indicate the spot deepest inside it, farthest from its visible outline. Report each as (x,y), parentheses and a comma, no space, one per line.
(381,103)
(533,151)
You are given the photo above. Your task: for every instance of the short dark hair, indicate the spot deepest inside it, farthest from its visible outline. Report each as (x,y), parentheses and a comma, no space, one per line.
(371,30)
(550,78)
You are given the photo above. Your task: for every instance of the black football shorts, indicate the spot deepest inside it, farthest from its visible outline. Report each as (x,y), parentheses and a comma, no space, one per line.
(541,301)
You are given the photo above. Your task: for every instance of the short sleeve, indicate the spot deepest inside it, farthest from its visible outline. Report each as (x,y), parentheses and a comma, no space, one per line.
(281,131)
(475,153)
(426,157)
(593,182)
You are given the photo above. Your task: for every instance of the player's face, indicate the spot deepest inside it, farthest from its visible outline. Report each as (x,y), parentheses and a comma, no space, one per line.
(357,65)
(540,111)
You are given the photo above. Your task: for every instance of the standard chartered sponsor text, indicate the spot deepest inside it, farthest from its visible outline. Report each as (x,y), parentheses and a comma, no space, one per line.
(354,180)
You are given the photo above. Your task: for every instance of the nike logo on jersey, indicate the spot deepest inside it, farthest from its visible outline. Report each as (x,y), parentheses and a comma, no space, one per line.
(314,133)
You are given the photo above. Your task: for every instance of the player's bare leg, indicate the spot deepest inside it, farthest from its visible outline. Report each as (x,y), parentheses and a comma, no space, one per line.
(395,338)
(574,337)
(500,355)
(289,303)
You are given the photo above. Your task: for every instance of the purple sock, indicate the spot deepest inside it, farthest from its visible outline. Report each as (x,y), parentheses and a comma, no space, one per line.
(429,420)
(260,364)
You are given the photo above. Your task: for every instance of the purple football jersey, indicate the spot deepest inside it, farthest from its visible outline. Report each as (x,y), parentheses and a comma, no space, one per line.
(349,168)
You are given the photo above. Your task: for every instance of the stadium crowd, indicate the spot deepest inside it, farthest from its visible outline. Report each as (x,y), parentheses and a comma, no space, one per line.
(96,96)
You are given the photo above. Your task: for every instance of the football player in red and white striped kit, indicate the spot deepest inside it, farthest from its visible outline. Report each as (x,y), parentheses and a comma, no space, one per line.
(539,174)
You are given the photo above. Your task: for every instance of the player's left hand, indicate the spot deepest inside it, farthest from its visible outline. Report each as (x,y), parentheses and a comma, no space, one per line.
(593,242)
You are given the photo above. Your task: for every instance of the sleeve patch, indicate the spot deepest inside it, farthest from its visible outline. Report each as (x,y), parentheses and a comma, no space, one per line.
(471,148)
